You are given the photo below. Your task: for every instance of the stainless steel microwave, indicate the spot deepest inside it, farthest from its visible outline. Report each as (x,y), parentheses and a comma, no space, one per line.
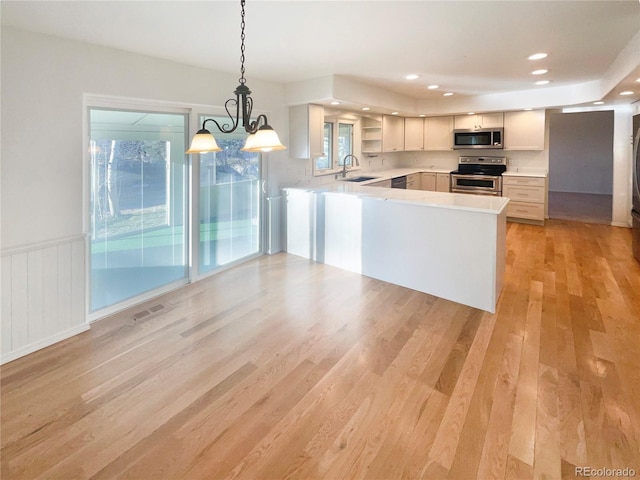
(481,138)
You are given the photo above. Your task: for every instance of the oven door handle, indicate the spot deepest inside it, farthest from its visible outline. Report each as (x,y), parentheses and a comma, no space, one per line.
(473,175)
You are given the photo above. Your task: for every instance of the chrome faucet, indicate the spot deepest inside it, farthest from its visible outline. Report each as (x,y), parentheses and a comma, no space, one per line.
(344,164)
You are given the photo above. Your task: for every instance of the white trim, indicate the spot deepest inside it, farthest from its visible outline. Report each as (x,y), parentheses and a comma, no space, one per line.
(137,300)
(91,101)
(620,224)
(227,266)
(45,342)
(129,103)
(40,245)
(335,168)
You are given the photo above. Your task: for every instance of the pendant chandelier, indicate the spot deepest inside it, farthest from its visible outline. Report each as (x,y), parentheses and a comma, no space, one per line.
(262,138)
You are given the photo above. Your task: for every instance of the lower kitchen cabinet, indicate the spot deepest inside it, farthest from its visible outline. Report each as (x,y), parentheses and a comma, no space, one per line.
(442,182)
(428,181)
(527,197)
(414,182)
(381,183)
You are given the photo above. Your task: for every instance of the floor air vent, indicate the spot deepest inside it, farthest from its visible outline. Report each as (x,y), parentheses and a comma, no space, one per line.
(148,312)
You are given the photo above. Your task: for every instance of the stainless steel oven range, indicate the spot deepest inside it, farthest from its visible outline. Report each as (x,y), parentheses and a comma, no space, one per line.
(479,175)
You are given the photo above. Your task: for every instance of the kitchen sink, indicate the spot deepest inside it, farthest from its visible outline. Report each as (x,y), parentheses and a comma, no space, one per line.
(362,178)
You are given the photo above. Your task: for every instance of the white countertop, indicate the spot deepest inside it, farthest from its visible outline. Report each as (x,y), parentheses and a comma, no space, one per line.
(525,172)
(456,201)
(395,172)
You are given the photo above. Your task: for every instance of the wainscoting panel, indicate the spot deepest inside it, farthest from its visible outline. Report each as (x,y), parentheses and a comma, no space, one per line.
(43,296)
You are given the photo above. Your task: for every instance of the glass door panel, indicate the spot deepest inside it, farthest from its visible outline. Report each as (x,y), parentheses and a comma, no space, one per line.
(229,201)
(138,203)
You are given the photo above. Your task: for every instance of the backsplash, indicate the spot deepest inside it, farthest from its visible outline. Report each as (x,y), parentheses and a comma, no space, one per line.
(525,160)
(299,173)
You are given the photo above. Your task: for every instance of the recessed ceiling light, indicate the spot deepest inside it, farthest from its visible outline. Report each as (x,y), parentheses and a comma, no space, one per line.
(394,113)
(598,103)
(626,92)
(448,94)
(528,109)
(542,82)
(365,109)
(542,71)
(412,76)
(537,56)
(335,102)
(471,113)
(422,115)
(433,87)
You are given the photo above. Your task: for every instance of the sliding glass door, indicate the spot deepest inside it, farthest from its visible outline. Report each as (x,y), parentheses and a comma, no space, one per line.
(229,202)
(138,203)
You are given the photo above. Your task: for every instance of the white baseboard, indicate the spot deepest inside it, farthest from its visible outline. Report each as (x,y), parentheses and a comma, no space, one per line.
(45,342)
(620,224)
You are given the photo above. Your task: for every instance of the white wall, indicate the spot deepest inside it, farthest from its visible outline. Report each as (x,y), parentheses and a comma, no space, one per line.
(44,80)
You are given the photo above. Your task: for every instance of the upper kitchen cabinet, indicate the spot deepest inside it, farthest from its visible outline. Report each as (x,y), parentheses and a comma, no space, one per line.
(372,134)
(306,131)
(438,133)
(524,130)
(414,134)
(392,133)
(479,120)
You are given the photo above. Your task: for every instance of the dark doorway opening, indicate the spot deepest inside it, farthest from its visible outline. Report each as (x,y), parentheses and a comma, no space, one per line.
(581,166)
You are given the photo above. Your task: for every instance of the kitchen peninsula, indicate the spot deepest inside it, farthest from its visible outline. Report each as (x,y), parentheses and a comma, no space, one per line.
(444,244)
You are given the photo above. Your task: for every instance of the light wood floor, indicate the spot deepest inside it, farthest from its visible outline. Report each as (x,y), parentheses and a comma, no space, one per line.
(282,368)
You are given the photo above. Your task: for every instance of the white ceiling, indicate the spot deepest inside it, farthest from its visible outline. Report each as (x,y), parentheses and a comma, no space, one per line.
(467,47)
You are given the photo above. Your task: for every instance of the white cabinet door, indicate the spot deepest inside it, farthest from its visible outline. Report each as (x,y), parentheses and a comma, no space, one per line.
(492,120)
(413,134)
(480,120)
(467,122)
(428,181)
(438,133)
(524,130)
(392,133)
(414,181)
(306,131)
(442,182)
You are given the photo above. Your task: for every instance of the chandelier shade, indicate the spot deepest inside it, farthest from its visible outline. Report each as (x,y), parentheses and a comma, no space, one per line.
(262,137)
(264,140)
(203,142)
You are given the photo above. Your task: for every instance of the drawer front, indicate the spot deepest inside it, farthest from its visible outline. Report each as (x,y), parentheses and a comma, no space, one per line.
(523,194)
(531,211)
(524,181)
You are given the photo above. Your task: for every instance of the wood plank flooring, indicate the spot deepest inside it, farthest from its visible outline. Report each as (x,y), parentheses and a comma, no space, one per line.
(282,368)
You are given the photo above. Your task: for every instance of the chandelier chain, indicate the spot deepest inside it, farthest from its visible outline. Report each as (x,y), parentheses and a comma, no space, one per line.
(242,24)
